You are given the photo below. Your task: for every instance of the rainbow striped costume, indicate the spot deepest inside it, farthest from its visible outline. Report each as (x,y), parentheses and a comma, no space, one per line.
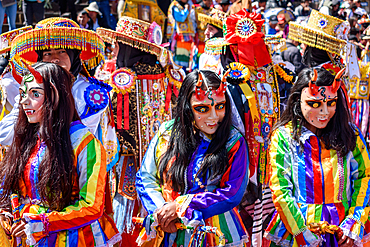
(84,222)
(211,205)
(315,184)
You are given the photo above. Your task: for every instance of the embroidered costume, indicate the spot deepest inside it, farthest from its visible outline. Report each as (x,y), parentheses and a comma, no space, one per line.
(207,202)
(91,96)
(181,30)
(200,38)
(84,222)
(146,10)
(316,184)
(328,47)
(253,86)
(143,83)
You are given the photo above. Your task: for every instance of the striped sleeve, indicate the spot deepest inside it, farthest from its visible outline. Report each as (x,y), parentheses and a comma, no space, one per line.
(147,184)
(233,183)
(282,188)
(90,160)
(353,224)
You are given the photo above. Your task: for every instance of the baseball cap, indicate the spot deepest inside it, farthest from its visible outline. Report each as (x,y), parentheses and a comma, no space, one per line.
(273,19)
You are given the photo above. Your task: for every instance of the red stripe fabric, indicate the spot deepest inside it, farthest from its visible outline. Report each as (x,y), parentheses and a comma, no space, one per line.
(126,112)
(119,111)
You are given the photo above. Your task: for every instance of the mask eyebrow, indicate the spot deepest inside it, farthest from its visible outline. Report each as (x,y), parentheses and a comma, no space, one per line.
(36,88)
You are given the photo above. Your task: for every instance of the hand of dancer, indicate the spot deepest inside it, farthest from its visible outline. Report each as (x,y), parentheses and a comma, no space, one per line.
(18,229)
(167,214)
(171,228)
(6,223)
(345,241)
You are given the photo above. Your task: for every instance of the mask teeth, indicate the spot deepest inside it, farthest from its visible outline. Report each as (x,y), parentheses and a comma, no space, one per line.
(17,77)
(313,89)
(336,82)
(35,73)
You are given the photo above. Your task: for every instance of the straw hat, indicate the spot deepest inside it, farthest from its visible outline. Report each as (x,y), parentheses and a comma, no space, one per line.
(321,31)
(215,18)
(58,33)
(7,38)
(138,34)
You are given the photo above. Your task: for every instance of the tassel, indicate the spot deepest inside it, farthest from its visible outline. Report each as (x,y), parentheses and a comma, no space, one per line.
(126,112)
(119,111)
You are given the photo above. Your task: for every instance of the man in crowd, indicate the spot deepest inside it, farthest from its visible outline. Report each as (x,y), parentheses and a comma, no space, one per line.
(303,9)
(293,55)
(271,28)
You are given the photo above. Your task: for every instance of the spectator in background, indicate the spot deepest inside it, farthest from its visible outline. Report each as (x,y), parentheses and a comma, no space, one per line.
(359,11)
(83,19)
(282,26)
(352,22)
(63,4)
(290,7)
(10,8)
(225,4)
(261,7)
(352,11)
(33,8)
(330,7)
(271,28)
(96,19)
(103,6)
(354,37)
(216,4)
(238,5)
(303,9)
(293,55)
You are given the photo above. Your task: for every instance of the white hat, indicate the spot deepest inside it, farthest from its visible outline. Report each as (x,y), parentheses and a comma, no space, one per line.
(93,7)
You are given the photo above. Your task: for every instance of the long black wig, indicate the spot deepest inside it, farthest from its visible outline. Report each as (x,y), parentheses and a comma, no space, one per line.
(339,133)
(185,136)
(55,179)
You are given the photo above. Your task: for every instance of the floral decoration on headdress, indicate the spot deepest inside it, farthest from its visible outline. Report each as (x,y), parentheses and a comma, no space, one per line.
(244,29)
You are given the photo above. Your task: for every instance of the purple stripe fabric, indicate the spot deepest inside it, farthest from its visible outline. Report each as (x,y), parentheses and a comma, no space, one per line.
(309,173)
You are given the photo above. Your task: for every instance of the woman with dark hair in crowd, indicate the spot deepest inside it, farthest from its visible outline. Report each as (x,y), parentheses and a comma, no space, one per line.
(56,167)
(320,168)
(195,170)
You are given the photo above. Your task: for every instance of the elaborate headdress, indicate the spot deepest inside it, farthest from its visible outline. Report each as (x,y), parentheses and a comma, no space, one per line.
(7,38)
(215,18)
(244,30)
(322,31)
(58,33)
(138,34)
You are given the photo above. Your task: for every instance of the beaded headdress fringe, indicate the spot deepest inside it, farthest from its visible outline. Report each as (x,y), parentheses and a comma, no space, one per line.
(205,19)
(316,39)
(57,38)
(143,45)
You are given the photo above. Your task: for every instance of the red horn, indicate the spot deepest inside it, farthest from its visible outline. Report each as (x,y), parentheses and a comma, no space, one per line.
(35,73)
(336,82)
(222,88)
(199,92)
(313,89)
(17,77)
